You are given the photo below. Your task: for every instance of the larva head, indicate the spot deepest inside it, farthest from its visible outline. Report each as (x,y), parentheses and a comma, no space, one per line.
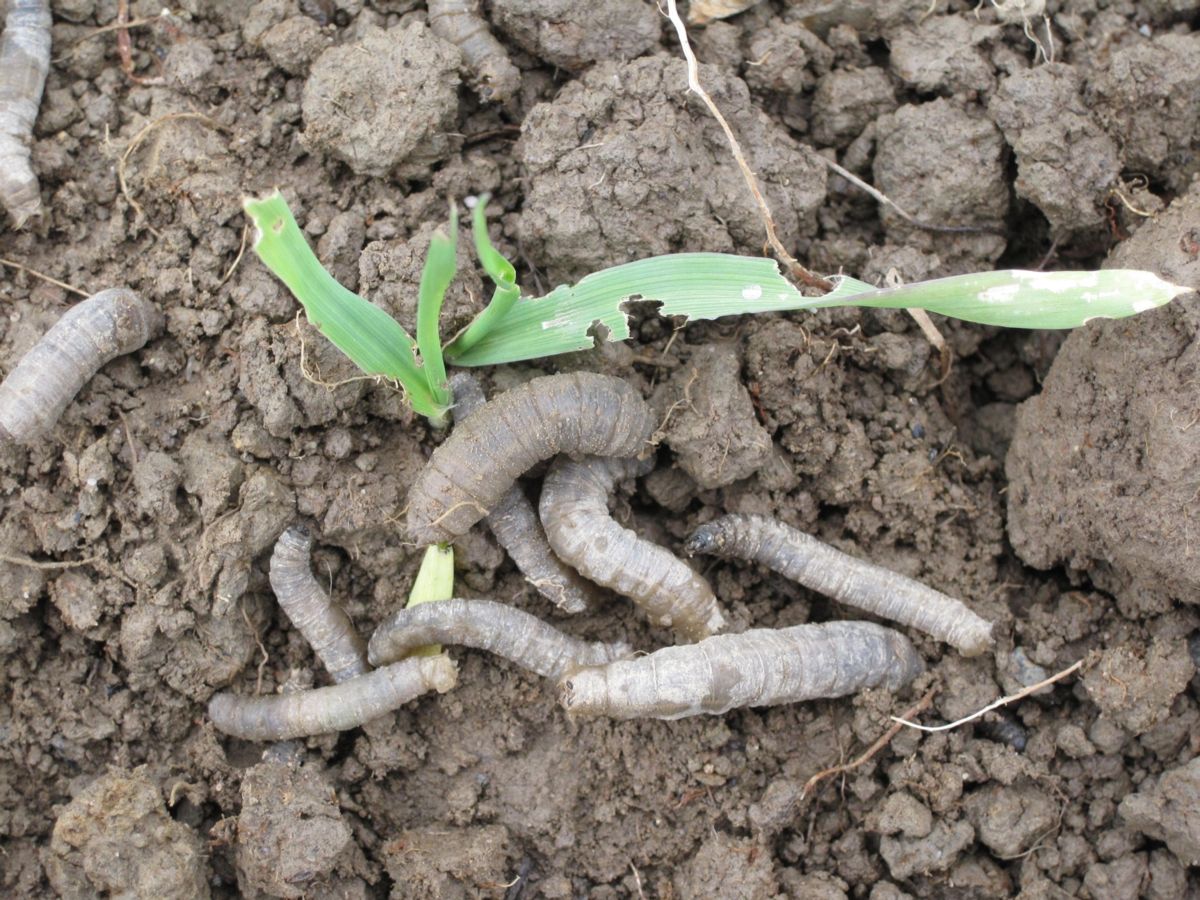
(708,538)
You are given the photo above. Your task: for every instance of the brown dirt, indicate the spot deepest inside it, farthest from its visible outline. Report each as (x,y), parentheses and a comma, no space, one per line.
(177,466)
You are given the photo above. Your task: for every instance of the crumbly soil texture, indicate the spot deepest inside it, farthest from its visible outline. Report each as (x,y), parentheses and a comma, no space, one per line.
(1052,485)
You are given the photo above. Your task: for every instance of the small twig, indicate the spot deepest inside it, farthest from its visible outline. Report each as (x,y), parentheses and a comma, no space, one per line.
(882,741)
(1003,701)
(48,566)
(693,75)
(261,649)
(241,252)
(115,26)
(125,46)
(129,437)
(637,880)
(935,337)
(898,209)
(13,264)
(313,375)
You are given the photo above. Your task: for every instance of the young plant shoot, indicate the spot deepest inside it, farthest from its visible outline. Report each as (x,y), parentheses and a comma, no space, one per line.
(689,285)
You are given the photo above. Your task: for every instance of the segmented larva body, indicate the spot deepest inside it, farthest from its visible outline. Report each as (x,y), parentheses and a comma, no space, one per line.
(24,63)
(574,511)
(48,377)
(492,73)
(323,623)
(762,667)
(852,581)
(467,476)
(496,627)
(516,525)
(339,707)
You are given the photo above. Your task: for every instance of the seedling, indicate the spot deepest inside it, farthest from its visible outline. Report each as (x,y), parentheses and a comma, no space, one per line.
(690,285)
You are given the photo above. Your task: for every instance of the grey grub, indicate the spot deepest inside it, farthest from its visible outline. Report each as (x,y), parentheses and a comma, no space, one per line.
(1148,97)
(517,528)
(386,102)
(611,198)
(484,624)
(1118,503)
(1168,809)
(914,142)
(24,64)
(818,566)
(470,473)
(1065,162)
(116,839)
(761,667)
(90,334)
(490,71)
(337,708)
(711,424)
(574,511)
(291,835)
(573,35)
(323,623)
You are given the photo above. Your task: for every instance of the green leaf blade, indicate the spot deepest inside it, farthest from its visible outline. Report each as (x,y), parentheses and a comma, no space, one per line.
(503,275)
(1016,298)
(441,263)
(372,339)
(696,285)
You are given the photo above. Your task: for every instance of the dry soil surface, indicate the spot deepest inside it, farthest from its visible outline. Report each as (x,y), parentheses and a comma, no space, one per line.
(1050,484)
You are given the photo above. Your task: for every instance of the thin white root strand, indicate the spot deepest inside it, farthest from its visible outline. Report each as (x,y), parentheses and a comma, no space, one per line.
(1003,701)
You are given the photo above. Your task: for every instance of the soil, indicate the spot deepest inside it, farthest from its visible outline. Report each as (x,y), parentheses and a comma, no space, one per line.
(1048,482)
